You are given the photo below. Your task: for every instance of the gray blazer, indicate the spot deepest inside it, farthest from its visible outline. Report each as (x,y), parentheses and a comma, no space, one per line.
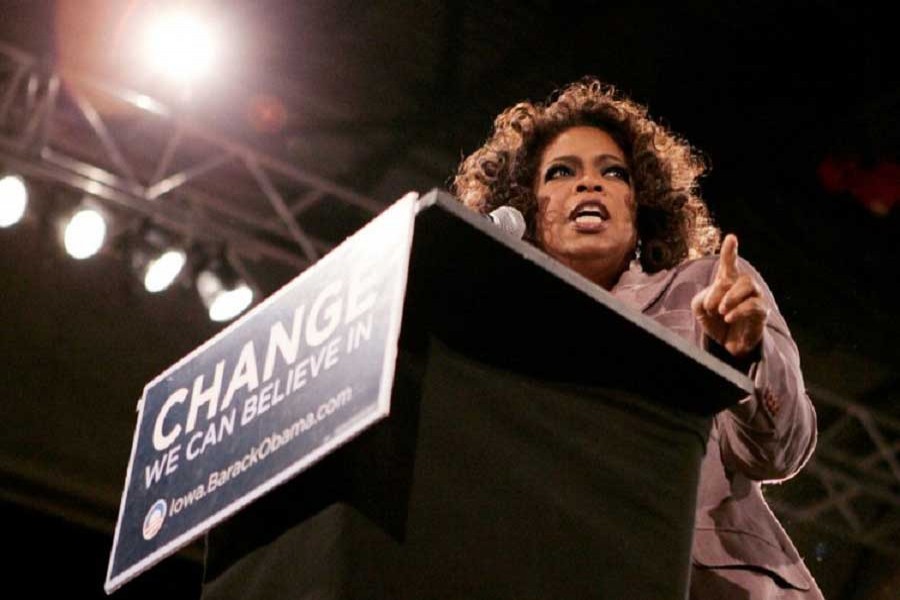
(740,549)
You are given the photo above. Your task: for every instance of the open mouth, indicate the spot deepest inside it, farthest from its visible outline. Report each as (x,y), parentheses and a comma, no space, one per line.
(589,212)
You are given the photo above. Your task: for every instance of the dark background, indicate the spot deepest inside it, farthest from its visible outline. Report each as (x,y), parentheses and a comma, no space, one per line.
(385,97)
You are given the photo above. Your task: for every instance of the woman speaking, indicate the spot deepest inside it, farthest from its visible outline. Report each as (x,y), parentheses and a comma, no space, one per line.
(613,195)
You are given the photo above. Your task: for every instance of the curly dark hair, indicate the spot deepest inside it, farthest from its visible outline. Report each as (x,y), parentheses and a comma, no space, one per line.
(673,222)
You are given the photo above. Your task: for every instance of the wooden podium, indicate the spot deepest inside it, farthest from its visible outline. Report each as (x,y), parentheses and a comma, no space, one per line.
(544,441)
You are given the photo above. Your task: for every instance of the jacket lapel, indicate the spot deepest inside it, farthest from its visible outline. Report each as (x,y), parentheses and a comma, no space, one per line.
(640,290)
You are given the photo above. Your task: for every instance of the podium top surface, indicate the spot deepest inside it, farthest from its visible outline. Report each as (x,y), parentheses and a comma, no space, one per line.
(503,301)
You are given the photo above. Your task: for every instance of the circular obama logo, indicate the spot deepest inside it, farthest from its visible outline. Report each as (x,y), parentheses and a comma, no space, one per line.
(154,520)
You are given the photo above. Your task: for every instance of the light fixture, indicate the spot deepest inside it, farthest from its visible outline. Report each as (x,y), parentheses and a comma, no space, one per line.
(181,45)
(156,259)
(84,233)
(223,293)
(163,270)
(13,200)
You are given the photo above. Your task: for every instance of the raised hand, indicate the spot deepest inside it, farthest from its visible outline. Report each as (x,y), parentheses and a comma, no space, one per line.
(732,310)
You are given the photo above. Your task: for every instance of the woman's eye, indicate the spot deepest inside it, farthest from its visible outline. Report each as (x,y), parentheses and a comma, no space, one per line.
(557,171)
(618,172)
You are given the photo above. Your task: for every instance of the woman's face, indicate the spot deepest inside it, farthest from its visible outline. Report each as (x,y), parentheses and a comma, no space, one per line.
(586,207)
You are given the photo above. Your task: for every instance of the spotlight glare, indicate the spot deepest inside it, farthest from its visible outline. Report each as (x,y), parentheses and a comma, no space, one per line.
(163,270)
(181,45)
(13,199)
(84,234)
(223,304)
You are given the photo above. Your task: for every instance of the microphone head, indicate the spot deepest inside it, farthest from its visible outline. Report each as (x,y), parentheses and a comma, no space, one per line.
(509,220)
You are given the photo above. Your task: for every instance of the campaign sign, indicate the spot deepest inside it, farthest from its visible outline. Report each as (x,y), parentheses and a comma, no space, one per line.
(300,374)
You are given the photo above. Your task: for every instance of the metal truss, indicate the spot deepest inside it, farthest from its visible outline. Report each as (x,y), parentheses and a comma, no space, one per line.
(851,486)
(206,187)
(178,174)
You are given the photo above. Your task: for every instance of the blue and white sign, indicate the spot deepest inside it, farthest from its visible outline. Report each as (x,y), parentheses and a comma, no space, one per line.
(293,379)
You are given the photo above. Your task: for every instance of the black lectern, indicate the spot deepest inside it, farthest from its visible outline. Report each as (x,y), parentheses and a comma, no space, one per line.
(544,441)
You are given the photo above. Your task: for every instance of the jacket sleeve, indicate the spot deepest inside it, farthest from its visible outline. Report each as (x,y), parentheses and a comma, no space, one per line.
(772,433)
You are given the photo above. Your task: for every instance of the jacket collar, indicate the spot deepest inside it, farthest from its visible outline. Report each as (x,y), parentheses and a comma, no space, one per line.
(639,289)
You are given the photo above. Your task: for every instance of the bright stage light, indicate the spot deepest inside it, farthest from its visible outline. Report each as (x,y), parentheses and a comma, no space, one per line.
(13,199)
(231,303)
(223,302)
(84,233)
(163,270)
(181,45)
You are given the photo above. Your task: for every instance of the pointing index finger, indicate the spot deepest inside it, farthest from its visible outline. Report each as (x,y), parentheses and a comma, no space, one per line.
(728,259)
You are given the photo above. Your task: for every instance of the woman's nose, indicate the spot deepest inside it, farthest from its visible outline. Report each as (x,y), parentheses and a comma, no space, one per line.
(589,184)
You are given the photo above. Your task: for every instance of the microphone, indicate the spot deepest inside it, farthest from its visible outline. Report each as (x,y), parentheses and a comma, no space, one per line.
(509,220)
